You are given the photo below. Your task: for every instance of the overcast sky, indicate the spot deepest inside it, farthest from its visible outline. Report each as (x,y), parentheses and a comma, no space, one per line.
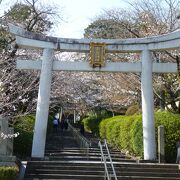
(76,13)
(79,14)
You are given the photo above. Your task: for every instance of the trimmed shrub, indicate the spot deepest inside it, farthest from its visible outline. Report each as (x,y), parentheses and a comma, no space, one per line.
(125,132)
(115,134)
(136,136)
(124,135)
(103,127)
(111,125)
(110,130)
(23,143)
(9,173)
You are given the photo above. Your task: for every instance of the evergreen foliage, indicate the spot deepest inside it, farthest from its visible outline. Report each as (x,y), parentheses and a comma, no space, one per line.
(8,173)
(23,143)
(126,133)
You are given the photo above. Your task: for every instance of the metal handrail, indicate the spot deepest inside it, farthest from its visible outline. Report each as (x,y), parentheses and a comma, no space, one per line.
(104,159)
(84,143)
(112,165)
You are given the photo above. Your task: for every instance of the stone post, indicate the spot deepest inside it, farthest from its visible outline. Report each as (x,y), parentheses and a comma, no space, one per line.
(60,114)
(147,106)
(3,141)
(42,110)
(161,145)
(178,152)
(74,116)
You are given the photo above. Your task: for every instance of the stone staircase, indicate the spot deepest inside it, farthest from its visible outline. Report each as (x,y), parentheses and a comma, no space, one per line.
(65,160)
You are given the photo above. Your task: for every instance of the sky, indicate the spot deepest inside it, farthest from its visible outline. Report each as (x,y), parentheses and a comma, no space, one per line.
(77,14)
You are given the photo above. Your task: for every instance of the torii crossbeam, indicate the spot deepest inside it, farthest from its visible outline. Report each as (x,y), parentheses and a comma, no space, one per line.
(142,45)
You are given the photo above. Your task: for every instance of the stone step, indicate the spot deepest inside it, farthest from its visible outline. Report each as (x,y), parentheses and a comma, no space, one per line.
(145,178)
(64,160)
(86,158)
(120,178)
(119,172)
(148,165)
(121,169)
(94,177)
(101,167)
(84,154)
(82,150)
(78,149)
(66,171)
(121,164)
(63,176)
(51,167)
(147,174)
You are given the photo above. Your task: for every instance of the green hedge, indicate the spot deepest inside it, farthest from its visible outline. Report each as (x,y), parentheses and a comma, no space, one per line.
(110,128)
(9,173)
(102,127)
(125,132)
(23,143)
(136,136)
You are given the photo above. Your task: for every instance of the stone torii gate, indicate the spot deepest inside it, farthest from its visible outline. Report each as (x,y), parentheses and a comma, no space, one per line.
(146,67)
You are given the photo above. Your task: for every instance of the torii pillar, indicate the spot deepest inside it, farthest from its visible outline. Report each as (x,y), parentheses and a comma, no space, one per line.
(147,106)
(42,109)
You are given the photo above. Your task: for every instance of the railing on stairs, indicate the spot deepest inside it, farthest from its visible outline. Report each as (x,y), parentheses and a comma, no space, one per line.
(84,143)
(104,159)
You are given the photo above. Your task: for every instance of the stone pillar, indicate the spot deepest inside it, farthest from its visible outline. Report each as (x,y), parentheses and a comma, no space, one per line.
(60,114)
(178,152)
(42,110)
(161,144)
(148,107)
(74,116)
(3,140)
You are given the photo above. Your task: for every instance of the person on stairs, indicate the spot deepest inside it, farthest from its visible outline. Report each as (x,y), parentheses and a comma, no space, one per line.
(62,125)
(66,124)
(82,128)
(55,124)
